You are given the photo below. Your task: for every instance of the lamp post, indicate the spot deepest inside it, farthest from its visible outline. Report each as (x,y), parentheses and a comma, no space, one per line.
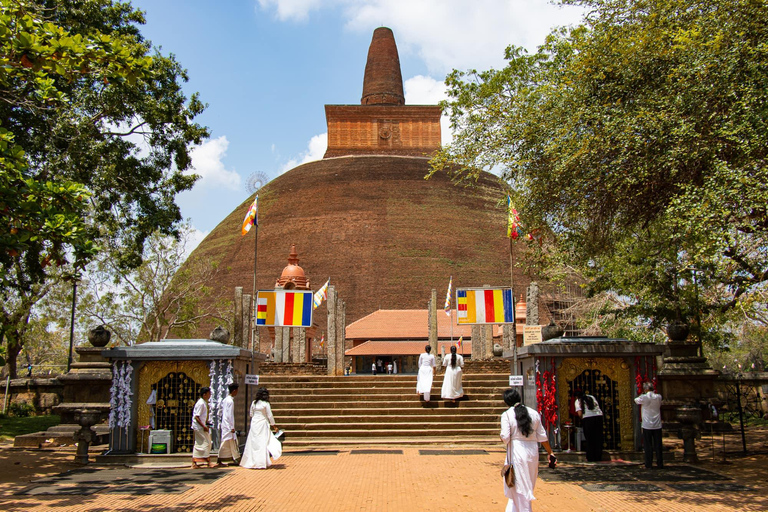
(75,278)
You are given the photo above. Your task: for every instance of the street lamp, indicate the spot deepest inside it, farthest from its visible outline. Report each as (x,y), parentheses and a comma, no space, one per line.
(75,277)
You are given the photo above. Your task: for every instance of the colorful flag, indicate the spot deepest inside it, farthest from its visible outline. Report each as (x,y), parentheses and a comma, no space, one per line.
(252,217)
(284,308)
(459,343)
(447,306)
(322,340)
(514,229)
(484,306)
(321,295)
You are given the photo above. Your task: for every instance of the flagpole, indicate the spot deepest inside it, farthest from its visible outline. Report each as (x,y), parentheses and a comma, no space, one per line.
(512,286)
(253,296)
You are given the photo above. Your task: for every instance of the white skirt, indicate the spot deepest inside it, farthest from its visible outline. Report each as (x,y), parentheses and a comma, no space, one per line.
(452,387)
(424,380)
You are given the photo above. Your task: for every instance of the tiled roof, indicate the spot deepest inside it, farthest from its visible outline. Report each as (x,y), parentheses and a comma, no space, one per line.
(402,348)
(407,324)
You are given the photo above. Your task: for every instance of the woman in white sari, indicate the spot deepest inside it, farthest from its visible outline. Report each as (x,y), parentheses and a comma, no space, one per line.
(426,371)
(452,388)
(261,443)
(522,431)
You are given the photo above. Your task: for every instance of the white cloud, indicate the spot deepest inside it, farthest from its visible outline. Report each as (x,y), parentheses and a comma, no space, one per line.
(445,34)
(315,151)
(193,238)
(207,162)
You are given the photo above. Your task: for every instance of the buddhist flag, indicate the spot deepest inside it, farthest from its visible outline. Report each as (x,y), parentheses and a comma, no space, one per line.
(514,229)
(460,342)
(284,308)
(484,306)
(322,340)
(252,217)
(321,295)
(447,306)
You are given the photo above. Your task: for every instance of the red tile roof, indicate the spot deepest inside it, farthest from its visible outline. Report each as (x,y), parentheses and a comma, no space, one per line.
(402,348)
(407,324)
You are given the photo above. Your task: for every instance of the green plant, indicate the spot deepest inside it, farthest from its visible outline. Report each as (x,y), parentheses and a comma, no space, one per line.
(21,409)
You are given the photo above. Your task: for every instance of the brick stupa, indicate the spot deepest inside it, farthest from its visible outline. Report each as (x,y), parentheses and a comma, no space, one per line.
(365,216)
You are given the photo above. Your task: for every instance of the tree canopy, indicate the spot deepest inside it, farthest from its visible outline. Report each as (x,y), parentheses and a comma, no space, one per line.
(637,143)
(95,134)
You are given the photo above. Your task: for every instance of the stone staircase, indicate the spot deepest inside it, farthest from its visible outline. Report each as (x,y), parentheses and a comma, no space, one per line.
(317,411)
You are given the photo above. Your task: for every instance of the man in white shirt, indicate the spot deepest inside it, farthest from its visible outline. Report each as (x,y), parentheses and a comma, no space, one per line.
(229,452)
(201,453)
(650,404)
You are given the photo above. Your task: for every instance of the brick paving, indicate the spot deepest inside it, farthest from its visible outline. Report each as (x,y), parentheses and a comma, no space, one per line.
(344,480)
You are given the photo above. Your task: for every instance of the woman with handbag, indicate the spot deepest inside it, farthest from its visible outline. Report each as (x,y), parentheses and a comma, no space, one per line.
(522,431)
(261,442)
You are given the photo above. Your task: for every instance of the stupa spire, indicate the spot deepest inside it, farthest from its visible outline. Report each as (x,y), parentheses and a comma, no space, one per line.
(383,82)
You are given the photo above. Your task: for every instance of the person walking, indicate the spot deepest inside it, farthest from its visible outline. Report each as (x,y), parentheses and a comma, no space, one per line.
(452,388)
(592,422)
(521,432)
(229,452)
(650,407)
(426,372)
(201,453)
(261,443)
(373,368)
(389,368)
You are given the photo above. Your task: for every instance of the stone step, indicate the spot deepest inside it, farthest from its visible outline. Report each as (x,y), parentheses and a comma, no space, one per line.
(412,403)
(392,411)
(409,397)
(374,418)
(367,380)
(358,392)
(400,425)
(326,433)
(389,442)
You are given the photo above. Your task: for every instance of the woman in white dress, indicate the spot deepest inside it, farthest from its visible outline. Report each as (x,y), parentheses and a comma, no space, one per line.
(452,388)
(426,371)
(261,443)
(522,431)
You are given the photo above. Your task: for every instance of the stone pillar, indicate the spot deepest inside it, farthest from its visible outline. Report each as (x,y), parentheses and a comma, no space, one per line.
(278,345)
(237,324)
(487,340)
(341,331)
(246,323)
(331,335)
(532,304)
(477,344)
(302,352)
(286,344)
(432,316)
(507,337)
(295,333)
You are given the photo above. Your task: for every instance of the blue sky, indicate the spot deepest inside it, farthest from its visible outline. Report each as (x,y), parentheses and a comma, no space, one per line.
(267,68)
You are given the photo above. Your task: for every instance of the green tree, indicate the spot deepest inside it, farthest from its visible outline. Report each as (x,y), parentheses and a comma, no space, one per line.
(80,88)
(637,143)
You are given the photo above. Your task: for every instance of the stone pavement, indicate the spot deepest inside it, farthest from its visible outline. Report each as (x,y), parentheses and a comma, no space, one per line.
(386,479)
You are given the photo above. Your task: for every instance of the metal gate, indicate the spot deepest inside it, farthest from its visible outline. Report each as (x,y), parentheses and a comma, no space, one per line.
(607,393)
(176,397)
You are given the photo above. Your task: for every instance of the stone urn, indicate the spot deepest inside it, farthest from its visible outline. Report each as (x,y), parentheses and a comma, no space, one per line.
(99,336)
(690,418)
(86,418)
(551,331)
(677,330)
(220,334)
(498,350)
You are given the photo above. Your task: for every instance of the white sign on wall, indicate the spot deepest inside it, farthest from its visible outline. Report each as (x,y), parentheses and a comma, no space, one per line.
(515,381)
(252,379)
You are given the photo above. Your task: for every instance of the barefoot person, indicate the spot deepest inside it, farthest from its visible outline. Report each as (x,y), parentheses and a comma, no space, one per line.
(261,443)
(201,454)
(426,372)
(522,431)
(452,388)
(229,452)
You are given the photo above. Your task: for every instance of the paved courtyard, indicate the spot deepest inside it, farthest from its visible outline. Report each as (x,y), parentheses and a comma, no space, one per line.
(363,479)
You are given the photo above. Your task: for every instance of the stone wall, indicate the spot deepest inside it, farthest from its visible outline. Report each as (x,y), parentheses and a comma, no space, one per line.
(292,369)
(42,394)
(473,366)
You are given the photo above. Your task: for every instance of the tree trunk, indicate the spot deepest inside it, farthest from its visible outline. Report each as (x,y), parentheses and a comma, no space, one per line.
(11,357)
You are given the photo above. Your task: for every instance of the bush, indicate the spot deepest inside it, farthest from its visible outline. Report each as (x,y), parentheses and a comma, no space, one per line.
(21,409)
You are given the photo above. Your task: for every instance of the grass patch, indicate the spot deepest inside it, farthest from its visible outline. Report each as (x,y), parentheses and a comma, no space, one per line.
(11,427)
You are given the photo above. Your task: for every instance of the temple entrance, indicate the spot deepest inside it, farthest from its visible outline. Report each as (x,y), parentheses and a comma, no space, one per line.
(176,397)
(606,390)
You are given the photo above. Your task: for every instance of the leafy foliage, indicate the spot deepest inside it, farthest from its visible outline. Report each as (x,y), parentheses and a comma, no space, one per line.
(95,133)
(637,142)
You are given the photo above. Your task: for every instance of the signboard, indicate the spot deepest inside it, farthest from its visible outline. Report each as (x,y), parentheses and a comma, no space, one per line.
(515,381)
(253,380)
(531,334)
(284,308)
(484,306)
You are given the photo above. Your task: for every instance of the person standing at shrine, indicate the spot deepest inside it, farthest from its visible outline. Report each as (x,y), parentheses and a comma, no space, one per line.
(229,452)
(201,428)
(427,365)
(650,404)
(592,422)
